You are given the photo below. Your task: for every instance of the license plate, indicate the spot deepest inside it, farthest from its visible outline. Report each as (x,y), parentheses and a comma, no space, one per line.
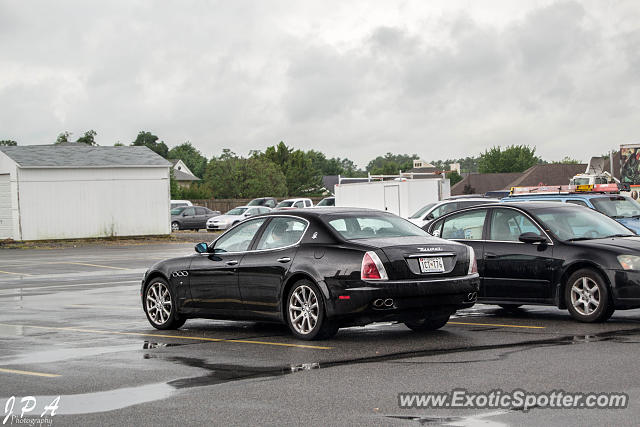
(431,265)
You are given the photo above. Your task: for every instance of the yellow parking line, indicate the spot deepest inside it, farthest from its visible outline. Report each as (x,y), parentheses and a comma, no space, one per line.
(94,265)
(17,274)
(110,307)
(35,374)
(142,334)
(496,324)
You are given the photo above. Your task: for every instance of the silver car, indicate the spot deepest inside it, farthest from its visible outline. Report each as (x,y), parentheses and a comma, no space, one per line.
(234,216)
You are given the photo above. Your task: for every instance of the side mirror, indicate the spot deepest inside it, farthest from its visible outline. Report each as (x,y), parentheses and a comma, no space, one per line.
(202,248)
(429,217)
(184,214)
(247,214)
(532,238)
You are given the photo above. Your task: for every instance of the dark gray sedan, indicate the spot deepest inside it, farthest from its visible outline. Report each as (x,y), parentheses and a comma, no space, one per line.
(191,217)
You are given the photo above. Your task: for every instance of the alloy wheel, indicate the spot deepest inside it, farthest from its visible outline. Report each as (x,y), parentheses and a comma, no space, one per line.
(585,296)
(158,303)
(175,226)
(303,309)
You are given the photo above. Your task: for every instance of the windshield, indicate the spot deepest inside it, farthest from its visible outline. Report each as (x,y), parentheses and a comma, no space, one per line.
(236,211)
(579,181)
(617,206)
(256,202)
(422,211)
(178,211)
(569,223)
(285,204)
(327,202)
(367,227)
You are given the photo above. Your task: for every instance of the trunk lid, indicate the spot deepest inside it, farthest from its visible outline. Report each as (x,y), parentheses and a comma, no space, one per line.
(417,257)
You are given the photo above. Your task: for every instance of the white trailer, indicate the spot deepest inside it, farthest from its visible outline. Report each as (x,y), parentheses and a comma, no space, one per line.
(401,197)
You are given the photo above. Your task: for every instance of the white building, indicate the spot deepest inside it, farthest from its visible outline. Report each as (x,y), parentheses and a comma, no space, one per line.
(76,191)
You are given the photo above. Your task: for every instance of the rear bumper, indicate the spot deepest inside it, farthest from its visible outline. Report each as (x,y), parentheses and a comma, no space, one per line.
(355,303)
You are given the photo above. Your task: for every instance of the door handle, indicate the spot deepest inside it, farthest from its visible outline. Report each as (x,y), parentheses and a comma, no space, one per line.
(232,262)
(490,255)
(284,259)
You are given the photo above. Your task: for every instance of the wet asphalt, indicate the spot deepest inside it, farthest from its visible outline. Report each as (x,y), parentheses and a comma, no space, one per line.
(71,325)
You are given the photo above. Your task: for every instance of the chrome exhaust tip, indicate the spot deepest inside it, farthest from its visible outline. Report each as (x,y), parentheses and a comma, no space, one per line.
(378,303)
(472,296)
(388,302)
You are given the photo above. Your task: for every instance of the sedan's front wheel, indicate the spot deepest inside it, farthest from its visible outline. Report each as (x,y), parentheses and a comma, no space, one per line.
(160,306)
(587,297)
(306,312)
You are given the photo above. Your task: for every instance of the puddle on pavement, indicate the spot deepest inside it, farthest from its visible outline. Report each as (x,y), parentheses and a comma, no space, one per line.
(56,355)
(461,420)
(148,345)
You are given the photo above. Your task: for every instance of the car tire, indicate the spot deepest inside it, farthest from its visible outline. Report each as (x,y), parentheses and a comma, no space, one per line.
(175,226)
(510,307)
(587,296)
(158,296)
(305,312)
(431,323)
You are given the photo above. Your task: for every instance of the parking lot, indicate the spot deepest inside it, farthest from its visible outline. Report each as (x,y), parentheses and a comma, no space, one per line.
(71,325)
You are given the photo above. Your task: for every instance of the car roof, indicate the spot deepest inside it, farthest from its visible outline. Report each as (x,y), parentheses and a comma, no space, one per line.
(535,205)
(326,211)
(564,196)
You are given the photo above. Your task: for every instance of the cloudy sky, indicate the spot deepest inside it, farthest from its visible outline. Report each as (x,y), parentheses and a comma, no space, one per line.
(354,79)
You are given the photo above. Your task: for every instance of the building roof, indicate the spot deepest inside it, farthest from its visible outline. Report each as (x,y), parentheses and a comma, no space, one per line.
(550,174)
(480,183)
(82,155)
(179,175)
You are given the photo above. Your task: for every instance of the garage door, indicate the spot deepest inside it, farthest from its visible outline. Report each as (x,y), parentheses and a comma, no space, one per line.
(6,228)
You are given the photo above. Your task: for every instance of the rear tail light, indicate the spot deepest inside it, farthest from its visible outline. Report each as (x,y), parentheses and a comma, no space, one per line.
(372,268)
(473,264)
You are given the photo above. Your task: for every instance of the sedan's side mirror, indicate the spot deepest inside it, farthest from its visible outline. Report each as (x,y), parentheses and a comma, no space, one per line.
(429,217)
(532,238)
(247,214)
(202,248)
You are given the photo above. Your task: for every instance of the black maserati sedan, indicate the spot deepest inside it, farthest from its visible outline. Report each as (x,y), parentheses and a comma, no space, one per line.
(547,253)
(316,270)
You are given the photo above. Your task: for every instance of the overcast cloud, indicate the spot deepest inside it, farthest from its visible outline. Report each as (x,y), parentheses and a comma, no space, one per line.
(353,79)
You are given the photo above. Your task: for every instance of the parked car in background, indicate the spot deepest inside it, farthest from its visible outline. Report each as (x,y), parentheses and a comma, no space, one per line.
(375,266)
(178,203)
(550,254)
(623,209)
(191,217)
(234,216)
(327,201)
(268,202)
(430,212)
(295,204)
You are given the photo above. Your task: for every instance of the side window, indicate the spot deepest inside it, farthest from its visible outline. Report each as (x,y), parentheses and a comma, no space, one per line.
(239,238)
(444,209)
(307,203)
(469,203)
(299,204)
(189,212)
(467,225)
(578,202)
(270,203)
(281,232)
(201,211)
(507,225)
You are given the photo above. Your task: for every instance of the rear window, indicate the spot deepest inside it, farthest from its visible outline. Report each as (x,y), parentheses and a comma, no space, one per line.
(368,227)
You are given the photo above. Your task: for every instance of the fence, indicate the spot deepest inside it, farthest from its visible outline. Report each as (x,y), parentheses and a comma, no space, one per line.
(224,205)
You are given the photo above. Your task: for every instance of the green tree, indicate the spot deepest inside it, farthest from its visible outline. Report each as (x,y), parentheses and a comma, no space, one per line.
(191,156)
(567,161)
(298,168)
(8,142)
(88,138)
(231,176)
(63,137)
(151,141)
(118,144)
(514,158)
(454,177)
(391,164)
